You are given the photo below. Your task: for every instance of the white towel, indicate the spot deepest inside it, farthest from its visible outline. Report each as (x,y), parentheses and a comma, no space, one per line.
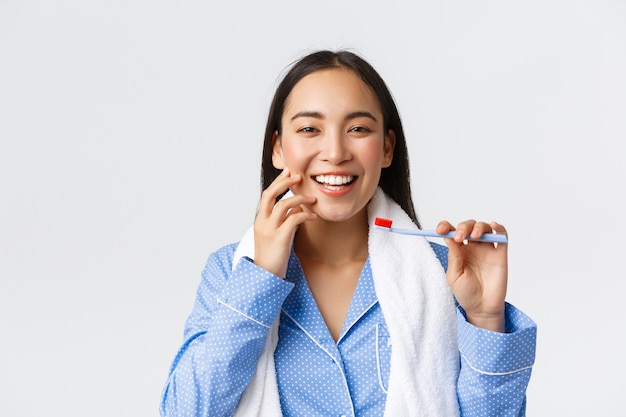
(419,310)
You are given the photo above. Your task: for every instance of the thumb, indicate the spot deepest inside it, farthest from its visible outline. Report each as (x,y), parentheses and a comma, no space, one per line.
(455,260)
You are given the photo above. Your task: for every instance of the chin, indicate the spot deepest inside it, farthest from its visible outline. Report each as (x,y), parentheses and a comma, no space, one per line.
(336,214)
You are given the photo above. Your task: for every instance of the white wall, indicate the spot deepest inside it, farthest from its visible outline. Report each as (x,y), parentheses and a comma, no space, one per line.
(130,137)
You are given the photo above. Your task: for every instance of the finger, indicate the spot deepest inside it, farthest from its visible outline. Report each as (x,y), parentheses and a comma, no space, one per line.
(455,260)
(285,206)
(479,229)
(463,230)
(498,228)
(295,219)
(282,182)
(279,186)
(444,227)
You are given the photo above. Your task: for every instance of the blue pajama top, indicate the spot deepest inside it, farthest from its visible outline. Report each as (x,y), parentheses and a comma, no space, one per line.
(235,308)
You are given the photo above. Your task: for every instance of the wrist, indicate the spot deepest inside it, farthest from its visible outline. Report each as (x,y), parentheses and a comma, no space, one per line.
(492,322)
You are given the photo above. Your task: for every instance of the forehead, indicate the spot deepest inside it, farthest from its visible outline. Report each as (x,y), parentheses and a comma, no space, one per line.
(332,89)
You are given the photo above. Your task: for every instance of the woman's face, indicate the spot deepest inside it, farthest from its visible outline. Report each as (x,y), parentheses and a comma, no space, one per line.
(333,136)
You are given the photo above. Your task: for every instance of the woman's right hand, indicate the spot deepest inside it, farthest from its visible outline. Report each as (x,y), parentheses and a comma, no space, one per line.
(276,224)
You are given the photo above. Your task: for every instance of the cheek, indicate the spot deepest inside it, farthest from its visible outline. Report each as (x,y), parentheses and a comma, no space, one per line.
(372,154)
(295,157)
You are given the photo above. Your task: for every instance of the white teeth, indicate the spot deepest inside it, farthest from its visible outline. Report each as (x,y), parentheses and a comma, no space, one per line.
(334,179)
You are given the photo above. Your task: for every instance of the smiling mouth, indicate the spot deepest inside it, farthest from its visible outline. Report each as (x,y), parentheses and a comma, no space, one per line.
(334,182)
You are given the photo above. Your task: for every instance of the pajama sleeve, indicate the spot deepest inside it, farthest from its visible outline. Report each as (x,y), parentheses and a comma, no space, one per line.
(224,336)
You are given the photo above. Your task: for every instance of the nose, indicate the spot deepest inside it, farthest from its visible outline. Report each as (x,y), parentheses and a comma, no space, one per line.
(335,148)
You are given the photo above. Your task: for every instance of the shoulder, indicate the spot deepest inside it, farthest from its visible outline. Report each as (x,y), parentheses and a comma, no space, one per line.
(442,253)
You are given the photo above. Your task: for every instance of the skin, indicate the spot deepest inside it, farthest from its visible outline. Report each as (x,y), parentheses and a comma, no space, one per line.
(477,272)
(332,125)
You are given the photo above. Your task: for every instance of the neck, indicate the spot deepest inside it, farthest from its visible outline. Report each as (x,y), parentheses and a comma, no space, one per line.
(333,242)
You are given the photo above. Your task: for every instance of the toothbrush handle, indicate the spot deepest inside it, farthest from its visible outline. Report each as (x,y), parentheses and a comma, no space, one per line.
(487,237)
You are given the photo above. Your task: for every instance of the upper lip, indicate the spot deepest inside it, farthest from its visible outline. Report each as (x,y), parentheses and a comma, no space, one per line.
(336,173)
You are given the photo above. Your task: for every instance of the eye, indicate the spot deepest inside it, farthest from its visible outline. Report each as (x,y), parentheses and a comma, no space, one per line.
(360,130)
(307,129)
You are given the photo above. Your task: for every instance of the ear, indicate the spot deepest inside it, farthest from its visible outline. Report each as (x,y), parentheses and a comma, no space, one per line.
(388,147)
(277,152)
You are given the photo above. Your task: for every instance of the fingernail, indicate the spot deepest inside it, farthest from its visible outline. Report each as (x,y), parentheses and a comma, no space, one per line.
(458,235)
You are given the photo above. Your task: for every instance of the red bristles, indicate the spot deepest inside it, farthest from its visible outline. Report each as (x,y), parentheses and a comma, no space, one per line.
(382,222)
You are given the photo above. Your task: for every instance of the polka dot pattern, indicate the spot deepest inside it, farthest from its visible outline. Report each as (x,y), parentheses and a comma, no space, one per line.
(307,356)
(234,308)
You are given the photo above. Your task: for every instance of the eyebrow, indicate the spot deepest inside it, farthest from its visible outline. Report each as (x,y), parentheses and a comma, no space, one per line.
(349,116)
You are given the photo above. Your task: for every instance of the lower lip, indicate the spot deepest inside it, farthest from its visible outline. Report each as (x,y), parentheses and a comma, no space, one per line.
(335,190)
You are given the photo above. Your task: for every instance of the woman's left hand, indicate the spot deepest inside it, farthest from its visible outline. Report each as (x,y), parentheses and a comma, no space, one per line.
(477,272)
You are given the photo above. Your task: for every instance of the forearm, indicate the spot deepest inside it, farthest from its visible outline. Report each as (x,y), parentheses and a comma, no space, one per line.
(224,337)
(492,395)
(213,368)
(496,367)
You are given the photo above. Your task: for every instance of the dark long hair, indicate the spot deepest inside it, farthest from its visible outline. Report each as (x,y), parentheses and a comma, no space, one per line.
(395,179)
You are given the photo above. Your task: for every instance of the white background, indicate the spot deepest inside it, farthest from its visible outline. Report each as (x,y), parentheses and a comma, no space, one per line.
(130,149)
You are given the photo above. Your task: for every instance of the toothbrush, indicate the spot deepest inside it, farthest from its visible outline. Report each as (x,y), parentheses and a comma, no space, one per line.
(385,224)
